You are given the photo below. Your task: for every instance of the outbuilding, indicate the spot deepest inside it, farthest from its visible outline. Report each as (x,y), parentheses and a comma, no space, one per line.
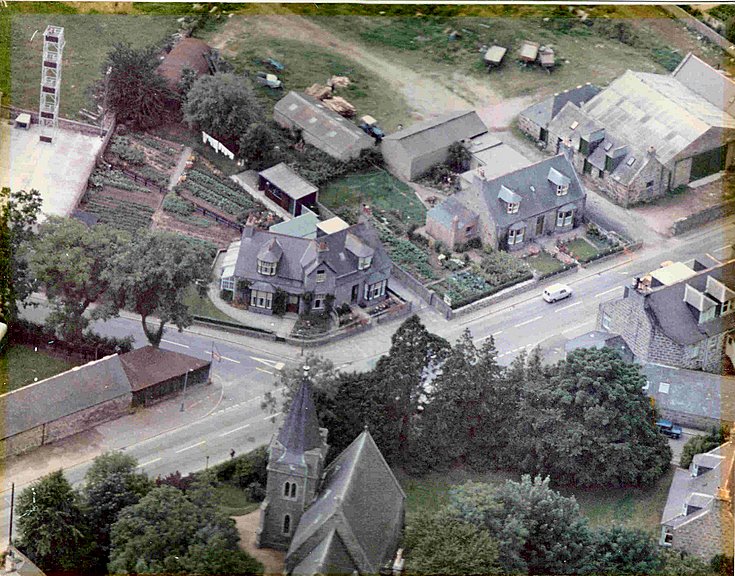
(286,188)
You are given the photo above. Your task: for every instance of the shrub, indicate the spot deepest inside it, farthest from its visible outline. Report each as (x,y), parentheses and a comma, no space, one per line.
(438,246)
(721,565)
(700,444)
(123,148)
(280,302)
(226,295)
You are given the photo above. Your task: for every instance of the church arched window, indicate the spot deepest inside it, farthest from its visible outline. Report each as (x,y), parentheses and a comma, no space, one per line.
(293,490)
(286,489)
(287,524)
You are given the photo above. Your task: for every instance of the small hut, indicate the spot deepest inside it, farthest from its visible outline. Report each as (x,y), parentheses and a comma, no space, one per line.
(528,52)
(494,56)
(546,58)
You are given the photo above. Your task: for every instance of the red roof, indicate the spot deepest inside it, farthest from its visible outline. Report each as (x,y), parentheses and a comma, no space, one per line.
(188,53)
(149,366)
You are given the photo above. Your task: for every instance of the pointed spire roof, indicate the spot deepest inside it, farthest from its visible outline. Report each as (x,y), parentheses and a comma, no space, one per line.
(300,431)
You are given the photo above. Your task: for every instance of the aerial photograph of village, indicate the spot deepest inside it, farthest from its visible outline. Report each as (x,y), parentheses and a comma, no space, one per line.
(367,288)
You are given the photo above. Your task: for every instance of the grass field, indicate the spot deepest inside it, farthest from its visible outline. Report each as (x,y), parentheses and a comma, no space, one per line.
(581,249)
(630,507)
(233,501)
(20,366)
(89,37)
(203,306)
(379,190)
(306,65)
(544,263)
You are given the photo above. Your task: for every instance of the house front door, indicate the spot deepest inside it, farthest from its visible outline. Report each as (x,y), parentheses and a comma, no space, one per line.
(293,303)
(539,225)
(355,293)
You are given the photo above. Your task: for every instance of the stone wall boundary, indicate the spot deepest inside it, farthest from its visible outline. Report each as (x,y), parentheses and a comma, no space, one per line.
(700,27)
(705,216)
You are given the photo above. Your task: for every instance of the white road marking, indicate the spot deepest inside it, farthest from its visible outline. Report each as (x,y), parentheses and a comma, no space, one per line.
(272,416)
(710,255)
(264,370)
(234,430)
(496,333)
(568,306)
(723,248)
(493,335)
(192,446)
(270,363)
(608,291)
(230,359)
(528,321)
(148,462)
(174,343)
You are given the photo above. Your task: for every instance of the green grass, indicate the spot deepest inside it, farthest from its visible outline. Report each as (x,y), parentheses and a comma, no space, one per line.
(544,263)
(306,65)
(233,501)
(581,249)
(89,37)
(629,507)
(20,366)
(203,306)
(379,190)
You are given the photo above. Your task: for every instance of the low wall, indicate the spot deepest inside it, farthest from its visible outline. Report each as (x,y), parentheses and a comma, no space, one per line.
(703,217)
(65,124)
(700,27)
(232,327)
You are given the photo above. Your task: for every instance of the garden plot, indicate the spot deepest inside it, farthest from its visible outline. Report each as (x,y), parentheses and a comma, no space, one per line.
(147,156)
(196,226)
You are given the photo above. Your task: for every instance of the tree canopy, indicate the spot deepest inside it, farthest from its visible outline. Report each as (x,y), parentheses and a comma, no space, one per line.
(152,277)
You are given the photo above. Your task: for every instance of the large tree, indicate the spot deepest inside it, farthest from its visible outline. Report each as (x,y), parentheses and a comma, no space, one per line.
(590,423)
(151,277)
(136,92)
(619,550)
(223,105)
(52,529)
(166,532)
(69,259)
(18,215)
(538,530)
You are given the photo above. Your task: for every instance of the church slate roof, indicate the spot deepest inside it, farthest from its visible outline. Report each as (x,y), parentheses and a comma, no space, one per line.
(361,500)
(300,431)
(329,557)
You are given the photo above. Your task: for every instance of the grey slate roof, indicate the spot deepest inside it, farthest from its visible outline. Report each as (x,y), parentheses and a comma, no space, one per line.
(329,557)
(709,83)
(543,112)
(361,500)
(693,392)
(438,133)
(286,179)
(77,389)
(533,202)
(445,212)
(335,133)
(300,430)
(677,319)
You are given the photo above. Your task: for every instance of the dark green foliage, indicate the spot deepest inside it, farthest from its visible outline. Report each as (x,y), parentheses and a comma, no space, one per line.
(52,529)
(124,149)
(137,94)
(177,205)
(188,77)
(699,444)
(91,345)
(258,146)
(722,565)
(458,157)
(620,550)
(439,543)
(499,267)
(280,302)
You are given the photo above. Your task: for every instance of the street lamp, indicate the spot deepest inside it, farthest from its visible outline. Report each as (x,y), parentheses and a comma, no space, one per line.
(183,394)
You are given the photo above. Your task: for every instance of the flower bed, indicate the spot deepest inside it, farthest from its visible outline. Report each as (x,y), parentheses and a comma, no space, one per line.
(310,325)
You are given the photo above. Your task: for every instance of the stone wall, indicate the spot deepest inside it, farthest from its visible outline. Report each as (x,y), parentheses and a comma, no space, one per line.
(529,127)
(86,419)
(628,318)
(703,217)
(708,535)
(700,27)
(22,442)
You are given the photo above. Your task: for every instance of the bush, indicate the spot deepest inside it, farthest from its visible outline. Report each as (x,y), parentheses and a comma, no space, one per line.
(91,345)
(700,444)
(722,565)
(123,148)
(280,302)
(226,295)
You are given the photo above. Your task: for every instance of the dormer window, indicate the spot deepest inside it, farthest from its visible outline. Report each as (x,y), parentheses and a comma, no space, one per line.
(364,263)
(513,207)
(727,307)
(267,268)
(562,189)
(321,275)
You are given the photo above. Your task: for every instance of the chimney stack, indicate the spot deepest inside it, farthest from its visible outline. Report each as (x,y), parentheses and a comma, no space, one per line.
(652,151)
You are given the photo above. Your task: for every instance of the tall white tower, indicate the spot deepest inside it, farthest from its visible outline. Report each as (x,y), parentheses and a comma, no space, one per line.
(48,113)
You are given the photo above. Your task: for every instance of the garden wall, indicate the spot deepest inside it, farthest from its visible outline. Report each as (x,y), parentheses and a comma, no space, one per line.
(11,112)
(700,27)
(683,225)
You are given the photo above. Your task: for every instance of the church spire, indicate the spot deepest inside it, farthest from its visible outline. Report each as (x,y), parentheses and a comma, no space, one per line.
(300,431)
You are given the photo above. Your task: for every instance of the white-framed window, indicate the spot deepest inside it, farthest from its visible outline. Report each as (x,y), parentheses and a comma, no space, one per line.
(727,307)
(562,189)
(606,321)
(267,268)
(513,207)
(227,284)
(646,386)
(321,275)
(707,315)
(319,302)
(261,299)
(373,291)
(516,236)
(564,218)
(364,263)
(287,524)
(667,536)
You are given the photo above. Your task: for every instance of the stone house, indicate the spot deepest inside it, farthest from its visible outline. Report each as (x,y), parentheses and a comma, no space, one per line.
(286,188)
(646,134)
(691,398)
(535,119)
(490,157)
(599,339)
(413,151)
(321,127)
(349,266)
(155,373)
(345,518)
(63,405)
(698,516)
(541,199)
(679,315)
(452,223)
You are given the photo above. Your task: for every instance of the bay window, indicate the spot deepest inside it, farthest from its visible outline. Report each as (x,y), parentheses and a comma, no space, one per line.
(267,268)
(516,236)
(261,299)
(564,218)
(373,291)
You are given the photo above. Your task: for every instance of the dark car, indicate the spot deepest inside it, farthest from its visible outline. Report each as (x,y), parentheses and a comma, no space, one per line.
(668,428)
(273,64)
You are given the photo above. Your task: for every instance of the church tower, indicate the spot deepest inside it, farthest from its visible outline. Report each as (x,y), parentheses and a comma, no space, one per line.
(295,464)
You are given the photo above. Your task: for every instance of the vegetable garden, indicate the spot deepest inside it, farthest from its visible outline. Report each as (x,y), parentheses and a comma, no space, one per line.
(221,193)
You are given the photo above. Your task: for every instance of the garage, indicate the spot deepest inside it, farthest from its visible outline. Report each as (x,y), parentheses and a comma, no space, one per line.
(707,163)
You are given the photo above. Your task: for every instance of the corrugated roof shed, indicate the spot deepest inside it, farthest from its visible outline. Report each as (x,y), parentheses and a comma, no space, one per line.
(288,180)
(303,226)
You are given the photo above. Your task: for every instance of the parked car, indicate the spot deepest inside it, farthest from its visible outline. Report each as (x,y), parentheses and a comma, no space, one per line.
(369,125)
(274,64)
(668,428)
(269,80)
(557,292)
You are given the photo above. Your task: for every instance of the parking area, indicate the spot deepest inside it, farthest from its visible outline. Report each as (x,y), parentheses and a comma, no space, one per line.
(59,171)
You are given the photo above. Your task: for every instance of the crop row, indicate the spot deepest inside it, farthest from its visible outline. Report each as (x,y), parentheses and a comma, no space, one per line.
(126,215)
(116,179)
(221,187)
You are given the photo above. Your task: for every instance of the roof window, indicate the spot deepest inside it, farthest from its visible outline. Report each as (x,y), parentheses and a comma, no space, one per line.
(573,125)
(630,161)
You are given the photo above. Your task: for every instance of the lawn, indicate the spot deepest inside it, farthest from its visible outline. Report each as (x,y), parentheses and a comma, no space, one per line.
(89,37)
(20,366)
(306,64)
(630,507)
(203,306)
(544,264)
(379,190)
(581,250)
(233,501)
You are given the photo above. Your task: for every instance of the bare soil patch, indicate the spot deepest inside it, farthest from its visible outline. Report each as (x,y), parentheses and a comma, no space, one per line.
(216,233)
(272,560)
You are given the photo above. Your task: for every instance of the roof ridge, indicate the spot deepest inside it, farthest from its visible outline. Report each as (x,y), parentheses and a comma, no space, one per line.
(412,131)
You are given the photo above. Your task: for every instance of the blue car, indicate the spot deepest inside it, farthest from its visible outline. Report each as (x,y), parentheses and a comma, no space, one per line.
(275,64)
(668,428)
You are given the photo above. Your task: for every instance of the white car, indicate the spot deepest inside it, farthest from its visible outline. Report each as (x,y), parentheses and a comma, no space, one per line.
(557,292)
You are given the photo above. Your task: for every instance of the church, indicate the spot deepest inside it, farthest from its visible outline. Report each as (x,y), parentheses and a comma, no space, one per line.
(345,518)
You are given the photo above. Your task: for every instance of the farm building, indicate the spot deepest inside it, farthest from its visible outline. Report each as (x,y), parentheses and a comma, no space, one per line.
(154,373)
(287,189)
(647,133)
(412,152)
(320,126)
(535,119)
(190,53)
